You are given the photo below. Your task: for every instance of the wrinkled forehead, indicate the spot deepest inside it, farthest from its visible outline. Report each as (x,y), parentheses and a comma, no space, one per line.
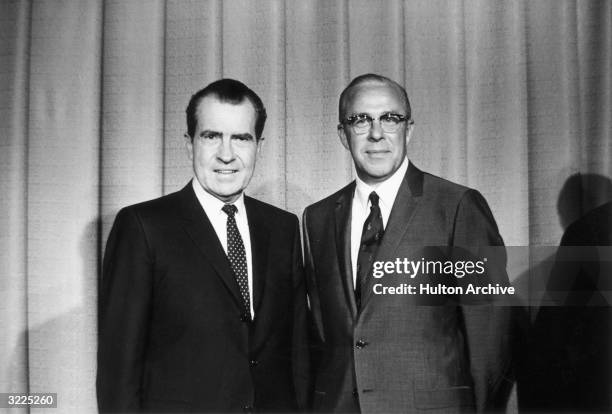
(226,116)
(375,96)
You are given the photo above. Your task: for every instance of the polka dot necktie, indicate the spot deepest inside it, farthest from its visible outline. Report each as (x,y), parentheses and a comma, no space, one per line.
(237,255)
(371,236)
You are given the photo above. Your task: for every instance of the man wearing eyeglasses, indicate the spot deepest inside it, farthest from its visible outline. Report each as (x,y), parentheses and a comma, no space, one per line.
(378,350)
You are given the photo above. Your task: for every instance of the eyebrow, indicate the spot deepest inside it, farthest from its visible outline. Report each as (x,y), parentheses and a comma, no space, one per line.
(210,133)
(246,136)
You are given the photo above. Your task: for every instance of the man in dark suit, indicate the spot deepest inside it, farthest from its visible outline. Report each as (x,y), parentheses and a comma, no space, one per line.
(377,352)
(202,302)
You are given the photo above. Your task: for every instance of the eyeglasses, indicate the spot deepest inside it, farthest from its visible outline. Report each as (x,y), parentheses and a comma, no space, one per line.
(362,123)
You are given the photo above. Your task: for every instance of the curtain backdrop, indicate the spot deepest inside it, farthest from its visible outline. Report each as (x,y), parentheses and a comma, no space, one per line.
(510,98)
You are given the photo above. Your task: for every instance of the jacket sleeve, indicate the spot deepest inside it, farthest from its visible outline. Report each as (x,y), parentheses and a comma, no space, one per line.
(315,330)
(124,313)
(488,323)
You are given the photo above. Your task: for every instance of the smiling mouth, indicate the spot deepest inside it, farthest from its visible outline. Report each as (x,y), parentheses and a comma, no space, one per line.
(225,171)
(377,152)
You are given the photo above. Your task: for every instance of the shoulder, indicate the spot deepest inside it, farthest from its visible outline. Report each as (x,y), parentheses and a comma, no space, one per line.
(445,193)
(461,207)
(268,212)
(161,204)
(443,188)
(137,226)
(329,203)
(155,210)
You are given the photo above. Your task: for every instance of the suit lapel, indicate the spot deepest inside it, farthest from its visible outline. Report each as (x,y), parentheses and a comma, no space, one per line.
(342,229)
(406,201)
(199,228)
(260,234)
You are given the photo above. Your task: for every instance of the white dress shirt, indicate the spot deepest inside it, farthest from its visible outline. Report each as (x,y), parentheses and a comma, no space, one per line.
(212,207)
(387,191)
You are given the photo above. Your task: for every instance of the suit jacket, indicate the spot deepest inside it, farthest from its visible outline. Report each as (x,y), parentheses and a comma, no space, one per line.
(396,354)
(173,335)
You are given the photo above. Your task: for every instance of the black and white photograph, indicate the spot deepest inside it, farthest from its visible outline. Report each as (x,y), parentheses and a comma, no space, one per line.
(315,206)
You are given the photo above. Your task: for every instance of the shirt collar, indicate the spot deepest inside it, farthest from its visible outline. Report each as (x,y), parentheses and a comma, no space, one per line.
(211,204)
(387,190)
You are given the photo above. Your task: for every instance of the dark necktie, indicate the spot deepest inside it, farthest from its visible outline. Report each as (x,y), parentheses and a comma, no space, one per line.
(237,255)
(371,236)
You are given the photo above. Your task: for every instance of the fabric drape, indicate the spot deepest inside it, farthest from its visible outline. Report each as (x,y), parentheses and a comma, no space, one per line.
(510,98)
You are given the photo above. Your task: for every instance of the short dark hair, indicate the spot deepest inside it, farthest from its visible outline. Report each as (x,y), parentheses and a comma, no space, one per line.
(365,78)
(229,91)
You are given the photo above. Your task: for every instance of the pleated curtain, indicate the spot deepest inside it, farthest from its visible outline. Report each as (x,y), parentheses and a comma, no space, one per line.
(510,98)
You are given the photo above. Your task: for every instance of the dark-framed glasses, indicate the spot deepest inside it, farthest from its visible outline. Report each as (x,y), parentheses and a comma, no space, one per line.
(389,122)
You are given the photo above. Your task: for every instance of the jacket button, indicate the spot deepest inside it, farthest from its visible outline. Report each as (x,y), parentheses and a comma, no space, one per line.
(360,344)
(245,317)
(253,363)
(247,409)
(355,392)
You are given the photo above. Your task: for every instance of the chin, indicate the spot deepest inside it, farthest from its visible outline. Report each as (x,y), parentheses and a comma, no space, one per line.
(379,174)
(229,194)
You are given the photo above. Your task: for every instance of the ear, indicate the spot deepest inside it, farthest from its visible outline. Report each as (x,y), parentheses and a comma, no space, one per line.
(343,137)
(188,142)
(409,131)
(260,144)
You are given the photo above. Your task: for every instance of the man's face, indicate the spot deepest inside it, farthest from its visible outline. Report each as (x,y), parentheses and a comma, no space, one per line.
(377,154)
(224,147)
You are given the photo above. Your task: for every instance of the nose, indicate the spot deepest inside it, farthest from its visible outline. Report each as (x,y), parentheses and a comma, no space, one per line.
(225,151)
(376,133)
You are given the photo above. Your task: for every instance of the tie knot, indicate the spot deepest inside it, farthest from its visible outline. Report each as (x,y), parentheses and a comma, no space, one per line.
(230,209)
(374,198)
